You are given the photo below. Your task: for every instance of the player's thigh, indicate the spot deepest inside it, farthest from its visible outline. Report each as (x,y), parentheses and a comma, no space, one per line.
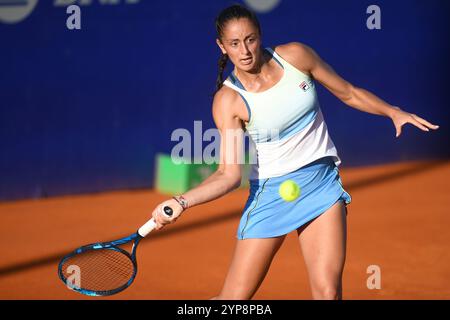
(323,243)
(249,265)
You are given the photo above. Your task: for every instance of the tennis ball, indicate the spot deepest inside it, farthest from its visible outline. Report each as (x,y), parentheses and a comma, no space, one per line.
(289,190)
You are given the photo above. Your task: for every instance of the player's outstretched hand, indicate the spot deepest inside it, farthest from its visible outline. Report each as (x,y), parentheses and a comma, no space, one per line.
(163,219)
(400,117)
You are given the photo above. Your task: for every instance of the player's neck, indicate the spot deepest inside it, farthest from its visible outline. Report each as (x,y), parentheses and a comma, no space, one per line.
(261,72)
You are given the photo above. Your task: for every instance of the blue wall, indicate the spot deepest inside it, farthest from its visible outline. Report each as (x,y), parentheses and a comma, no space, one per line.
(87,110)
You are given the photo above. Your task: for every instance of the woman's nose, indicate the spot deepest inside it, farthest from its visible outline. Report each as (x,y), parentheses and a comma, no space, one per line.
(244,49)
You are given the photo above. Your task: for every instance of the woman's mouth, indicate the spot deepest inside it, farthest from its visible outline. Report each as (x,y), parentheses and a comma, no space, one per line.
(246,61)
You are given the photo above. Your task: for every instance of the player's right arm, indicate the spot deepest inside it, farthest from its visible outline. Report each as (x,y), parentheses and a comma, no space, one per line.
(228,175)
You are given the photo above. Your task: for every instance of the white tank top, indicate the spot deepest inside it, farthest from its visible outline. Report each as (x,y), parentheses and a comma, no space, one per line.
(286,126)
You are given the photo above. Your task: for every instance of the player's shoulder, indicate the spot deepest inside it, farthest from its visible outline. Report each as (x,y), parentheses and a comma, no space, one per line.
(224,101)
(298,54)
(293,49)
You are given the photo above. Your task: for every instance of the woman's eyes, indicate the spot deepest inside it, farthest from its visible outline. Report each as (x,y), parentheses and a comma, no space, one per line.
(235,44)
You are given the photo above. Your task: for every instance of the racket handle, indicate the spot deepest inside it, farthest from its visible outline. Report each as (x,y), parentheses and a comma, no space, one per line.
(147,228)
(151,224)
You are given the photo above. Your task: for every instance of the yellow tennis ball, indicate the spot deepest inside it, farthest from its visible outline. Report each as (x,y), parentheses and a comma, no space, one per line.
(289,190)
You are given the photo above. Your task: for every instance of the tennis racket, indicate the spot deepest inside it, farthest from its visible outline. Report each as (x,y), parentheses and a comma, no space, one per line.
(104,268)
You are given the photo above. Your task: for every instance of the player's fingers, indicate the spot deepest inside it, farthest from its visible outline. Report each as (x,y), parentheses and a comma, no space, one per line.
(419,125)
(425,122)
(160,219)
(163,216)
(398,131)
(156,219)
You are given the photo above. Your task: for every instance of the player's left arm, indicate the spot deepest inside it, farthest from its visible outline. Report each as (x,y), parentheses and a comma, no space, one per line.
(306,59)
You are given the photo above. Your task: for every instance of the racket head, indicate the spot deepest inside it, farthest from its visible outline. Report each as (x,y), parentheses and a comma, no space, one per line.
(105,268)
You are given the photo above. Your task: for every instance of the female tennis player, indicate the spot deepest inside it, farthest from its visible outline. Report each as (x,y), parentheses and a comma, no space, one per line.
(273,90)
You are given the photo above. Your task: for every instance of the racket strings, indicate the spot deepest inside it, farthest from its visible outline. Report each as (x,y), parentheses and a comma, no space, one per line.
(99,270)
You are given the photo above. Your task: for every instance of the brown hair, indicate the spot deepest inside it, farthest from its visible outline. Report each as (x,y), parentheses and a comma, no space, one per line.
(234,12)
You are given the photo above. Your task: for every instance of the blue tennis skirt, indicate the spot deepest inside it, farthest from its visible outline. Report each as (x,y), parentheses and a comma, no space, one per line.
(267,215)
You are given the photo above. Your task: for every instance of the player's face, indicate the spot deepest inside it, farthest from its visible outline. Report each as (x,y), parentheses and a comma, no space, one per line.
(241,41)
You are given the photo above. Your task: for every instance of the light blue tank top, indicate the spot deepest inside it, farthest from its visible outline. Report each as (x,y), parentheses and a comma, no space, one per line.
(286,125)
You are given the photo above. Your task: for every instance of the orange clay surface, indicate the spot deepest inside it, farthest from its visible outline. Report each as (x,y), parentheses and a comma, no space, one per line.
(399,220)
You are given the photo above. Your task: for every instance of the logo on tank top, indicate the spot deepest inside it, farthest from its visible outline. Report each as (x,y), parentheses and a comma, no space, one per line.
(305,86)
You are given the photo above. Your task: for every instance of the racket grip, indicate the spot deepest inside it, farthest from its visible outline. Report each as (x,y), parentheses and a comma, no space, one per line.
(151,224)
(147,228)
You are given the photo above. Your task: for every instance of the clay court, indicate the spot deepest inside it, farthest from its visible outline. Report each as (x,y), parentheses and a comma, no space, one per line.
(398,220)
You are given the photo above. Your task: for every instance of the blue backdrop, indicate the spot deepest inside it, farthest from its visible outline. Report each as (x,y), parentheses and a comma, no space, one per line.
(87,110)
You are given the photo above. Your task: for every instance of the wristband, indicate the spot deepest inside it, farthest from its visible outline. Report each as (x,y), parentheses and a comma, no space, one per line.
(182,201)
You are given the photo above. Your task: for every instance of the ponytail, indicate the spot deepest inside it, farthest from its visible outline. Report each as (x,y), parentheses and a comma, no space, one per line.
(222,64)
